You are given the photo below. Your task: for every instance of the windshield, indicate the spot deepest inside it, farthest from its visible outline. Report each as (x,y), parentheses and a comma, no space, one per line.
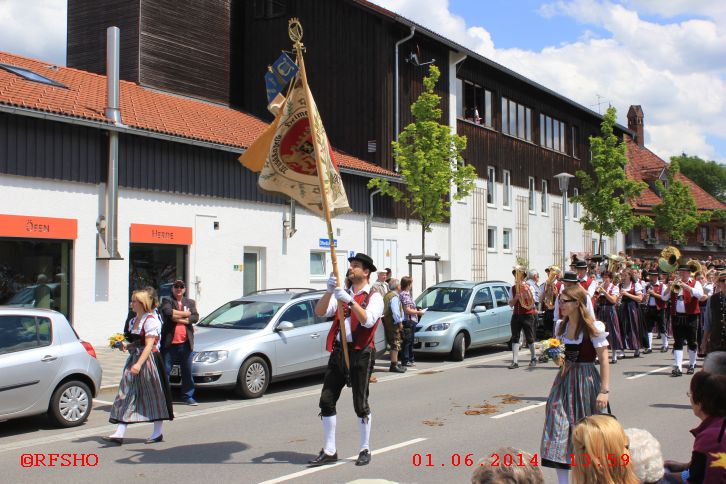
(448,299)
(242,315)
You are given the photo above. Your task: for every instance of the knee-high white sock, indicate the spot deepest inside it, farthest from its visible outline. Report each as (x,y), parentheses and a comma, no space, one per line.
(157,429)
(691,358)
(329,431)
(364,424)
(515,352)
(650,341)
(120,431)
(563,476)
(679,358)
(532,352)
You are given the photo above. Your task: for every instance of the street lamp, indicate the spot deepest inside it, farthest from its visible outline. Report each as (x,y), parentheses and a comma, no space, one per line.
(564,180)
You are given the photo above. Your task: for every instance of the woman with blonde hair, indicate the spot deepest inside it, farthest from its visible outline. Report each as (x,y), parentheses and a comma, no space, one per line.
(600,447)
(144,394)
(578,390)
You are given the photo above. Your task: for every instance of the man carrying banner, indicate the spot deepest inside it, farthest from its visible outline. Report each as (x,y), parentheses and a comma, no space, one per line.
(363,310)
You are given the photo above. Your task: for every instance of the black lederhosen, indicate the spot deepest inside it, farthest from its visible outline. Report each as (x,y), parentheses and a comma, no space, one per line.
(654,318)
(334,380)
(685,329)
(522,322)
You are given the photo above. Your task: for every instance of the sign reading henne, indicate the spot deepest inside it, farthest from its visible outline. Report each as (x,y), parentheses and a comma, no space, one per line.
(160,234)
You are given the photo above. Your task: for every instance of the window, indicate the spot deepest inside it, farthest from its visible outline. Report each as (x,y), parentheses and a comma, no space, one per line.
(300,314)
(491,187)
(266,9)
(604,247)
(507,189)
(501,296)
(545,197)
(492,238)
(158,266)
(507,240)
(575,140)
(317,264)
(575,206)
(29,75)
(704,233)
(474,103)
(551,133)
(719,234)
(19,333)
(516,119)
(483,297)
(531,195)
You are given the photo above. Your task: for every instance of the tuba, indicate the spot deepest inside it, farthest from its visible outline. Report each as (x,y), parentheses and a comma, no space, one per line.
(614,264)
(695,267)
(526,300)
(669,257)
(548,298)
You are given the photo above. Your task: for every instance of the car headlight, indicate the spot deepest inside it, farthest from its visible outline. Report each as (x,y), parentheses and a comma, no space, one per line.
(439,327)
(209,356)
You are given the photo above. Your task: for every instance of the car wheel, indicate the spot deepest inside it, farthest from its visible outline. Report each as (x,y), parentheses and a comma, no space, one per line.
(71,404)
(458,351)
(253,378)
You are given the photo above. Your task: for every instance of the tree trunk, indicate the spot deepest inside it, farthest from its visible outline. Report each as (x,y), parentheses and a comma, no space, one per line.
(423,259)
(599,250)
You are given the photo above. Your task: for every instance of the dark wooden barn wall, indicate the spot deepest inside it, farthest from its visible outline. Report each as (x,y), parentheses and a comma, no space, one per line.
(87,24)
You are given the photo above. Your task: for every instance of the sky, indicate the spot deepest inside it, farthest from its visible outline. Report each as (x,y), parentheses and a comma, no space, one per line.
(669,56)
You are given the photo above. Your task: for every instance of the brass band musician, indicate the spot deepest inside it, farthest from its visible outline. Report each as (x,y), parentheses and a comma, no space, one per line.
(522,300)
(550,290)
(655,311)
(607,295)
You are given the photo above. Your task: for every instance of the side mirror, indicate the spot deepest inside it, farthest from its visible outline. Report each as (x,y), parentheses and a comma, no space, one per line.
(479,308)
(285,326)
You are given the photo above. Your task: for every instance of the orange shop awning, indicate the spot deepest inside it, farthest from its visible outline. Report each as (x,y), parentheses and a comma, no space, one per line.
(30,226)
(160,234)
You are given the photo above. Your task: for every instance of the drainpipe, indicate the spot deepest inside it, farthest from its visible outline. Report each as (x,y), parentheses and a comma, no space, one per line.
(370,224)
(108,223)
(397,121)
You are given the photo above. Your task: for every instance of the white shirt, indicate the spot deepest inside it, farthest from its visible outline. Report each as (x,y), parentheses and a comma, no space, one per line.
(697,292)
(374,310)
(599,340)
(150,323)
(535,289)
(651,299)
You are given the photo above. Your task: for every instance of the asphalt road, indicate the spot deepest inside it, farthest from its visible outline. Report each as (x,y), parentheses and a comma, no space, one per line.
(418,413)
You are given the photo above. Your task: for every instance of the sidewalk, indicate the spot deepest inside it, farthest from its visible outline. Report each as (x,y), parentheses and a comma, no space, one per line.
(112,362)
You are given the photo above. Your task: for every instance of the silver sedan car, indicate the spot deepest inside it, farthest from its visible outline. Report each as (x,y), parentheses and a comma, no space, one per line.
(45,367)
(267,336)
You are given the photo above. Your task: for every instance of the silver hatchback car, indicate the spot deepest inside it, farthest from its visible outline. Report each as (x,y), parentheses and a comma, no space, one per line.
(45,367)
(267,336)
(461,315)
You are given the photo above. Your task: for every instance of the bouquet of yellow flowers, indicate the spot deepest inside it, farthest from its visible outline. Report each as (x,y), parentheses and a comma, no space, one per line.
(552,349)
(115,340)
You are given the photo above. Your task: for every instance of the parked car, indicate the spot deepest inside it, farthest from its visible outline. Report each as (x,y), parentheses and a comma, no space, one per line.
(26,296)
(45,367)
(266,336)
(462,315)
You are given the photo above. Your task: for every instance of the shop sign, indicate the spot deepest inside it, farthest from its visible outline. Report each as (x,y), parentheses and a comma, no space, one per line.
(161,234)
(29,226)
(325,243)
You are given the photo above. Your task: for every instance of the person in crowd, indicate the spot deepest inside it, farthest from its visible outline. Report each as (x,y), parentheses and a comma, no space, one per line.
(549,299)
(533,281)
(144,394)
(493,470)
(587,282)
(363,308)
(707,285)
(42,293)
(522,318)
(684,295)
(570,279)
(646,457)
(410,320)
(380,286)
(715,363)
(708,458)
(654,311)
(607,295)
(601,440)
(631,294)
(180,314)
(579,390)
(392,321)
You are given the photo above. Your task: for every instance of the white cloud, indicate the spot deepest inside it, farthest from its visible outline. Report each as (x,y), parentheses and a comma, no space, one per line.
(35,28)
(676,71)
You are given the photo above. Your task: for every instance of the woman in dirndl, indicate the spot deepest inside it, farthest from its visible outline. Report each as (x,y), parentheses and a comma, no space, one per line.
(578,390)
(630,324)
(144,394)
(607,298)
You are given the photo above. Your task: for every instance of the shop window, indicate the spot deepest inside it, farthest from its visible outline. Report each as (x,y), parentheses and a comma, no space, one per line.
(157,266)
(36,273)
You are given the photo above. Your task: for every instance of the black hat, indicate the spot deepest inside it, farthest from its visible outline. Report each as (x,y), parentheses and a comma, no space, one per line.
(569,276)
(719,267)
(580,264)
(653,272)
(683,265)
(365,260)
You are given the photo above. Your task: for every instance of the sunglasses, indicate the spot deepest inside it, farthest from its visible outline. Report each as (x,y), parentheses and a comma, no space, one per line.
(564,301)
(179,286)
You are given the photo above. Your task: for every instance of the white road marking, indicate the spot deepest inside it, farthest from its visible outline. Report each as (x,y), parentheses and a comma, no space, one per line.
(519,410)
(340,462)
(648,373)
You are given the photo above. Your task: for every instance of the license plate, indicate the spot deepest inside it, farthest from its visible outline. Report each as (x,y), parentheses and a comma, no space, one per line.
(175,370)
(416,340)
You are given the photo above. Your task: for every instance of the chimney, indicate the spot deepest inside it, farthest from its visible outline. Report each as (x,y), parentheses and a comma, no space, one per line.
(635,123)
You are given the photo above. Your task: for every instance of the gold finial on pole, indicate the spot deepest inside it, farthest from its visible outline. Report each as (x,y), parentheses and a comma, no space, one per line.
(295,31)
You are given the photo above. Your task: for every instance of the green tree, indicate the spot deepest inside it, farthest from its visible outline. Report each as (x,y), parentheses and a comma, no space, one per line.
(606,195)
(708,175)
(429,160)
(677,214)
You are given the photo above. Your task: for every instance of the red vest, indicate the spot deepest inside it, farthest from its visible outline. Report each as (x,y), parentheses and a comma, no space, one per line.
(586,285)
(362,337)
(690,302)
(518,308)
(658,289)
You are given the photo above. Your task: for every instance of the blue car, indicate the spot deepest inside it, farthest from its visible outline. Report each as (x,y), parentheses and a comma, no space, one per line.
(462,315)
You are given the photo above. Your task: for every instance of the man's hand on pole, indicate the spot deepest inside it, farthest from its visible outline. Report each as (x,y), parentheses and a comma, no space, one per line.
(332,284)
(342,295)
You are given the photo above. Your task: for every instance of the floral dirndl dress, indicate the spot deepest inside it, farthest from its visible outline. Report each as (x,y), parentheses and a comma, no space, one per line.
(572,397)
(145,397)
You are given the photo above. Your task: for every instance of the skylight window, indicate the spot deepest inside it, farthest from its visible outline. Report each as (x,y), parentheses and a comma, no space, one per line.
(30,75)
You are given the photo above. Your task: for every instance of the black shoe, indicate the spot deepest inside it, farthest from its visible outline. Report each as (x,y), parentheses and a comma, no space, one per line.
(636,354)
(155,439)
(397,368)
(691,370)
(613,362)
(664,350)
(364,458)
(648,351)
(113,440)
(513,366)
(676,372)
(533,362)
(323,459)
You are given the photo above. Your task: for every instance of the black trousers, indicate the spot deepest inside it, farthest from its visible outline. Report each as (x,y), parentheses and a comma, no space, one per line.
(655,318)
(549,322)
(522,322)
(334,380)
(685,330)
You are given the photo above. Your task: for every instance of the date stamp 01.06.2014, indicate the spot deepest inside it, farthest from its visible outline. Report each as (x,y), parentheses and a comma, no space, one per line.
(508,460)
